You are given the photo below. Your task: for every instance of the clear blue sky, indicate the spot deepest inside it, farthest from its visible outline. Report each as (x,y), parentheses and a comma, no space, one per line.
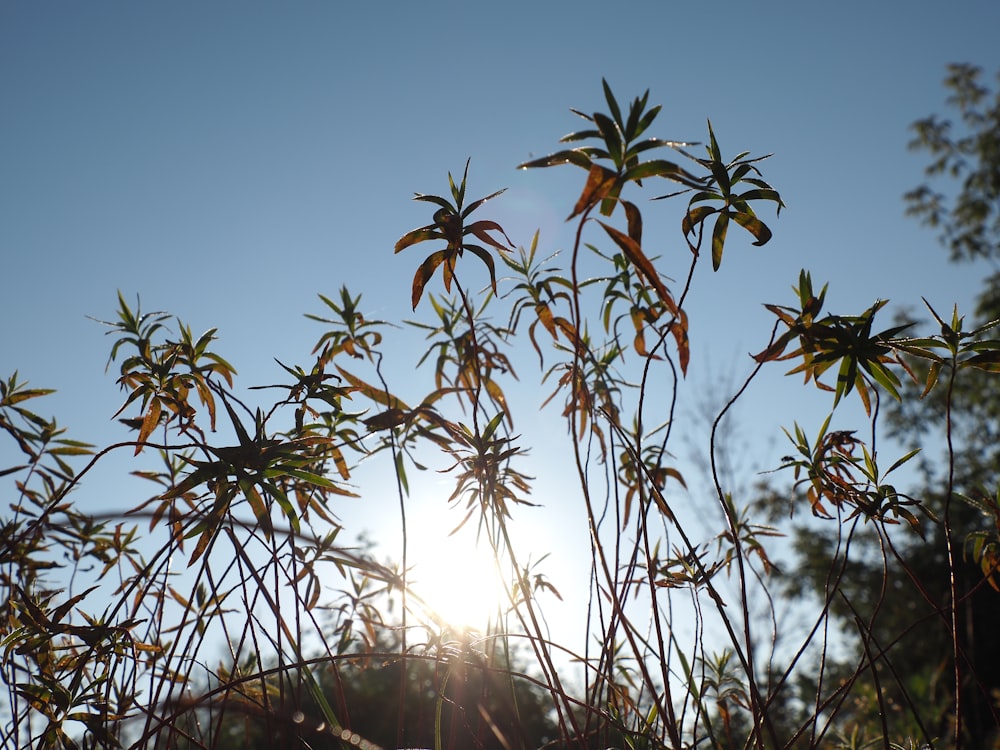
(227,161)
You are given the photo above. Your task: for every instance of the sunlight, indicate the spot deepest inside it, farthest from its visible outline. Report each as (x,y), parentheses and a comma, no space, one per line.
(455,575)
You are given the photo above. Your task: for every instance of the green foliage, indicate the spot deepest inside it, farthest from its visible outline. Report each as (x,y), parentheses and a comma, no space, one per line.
(461,695)
(111,632)
(736,207)
(823,342)
(935,595)
(966,152)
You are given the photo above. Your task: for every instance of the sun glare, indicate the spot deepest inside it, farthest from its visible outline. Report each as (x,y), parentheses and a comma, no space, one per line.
(457,577)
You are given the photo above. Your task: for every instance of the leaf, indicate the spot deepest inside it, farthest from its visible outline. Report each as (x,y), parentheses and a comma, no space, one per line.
(634,253)
(203,473)
(491,427)
(932,378)
(634,218)
(679,329)
(424,273)
(286,506)
(410,238)
(755,226)
(437,200)
(63,609)
(480,228)
(149,423)
(497,394)
(600,181)
(476,204)
(257,506)
(612,102)
(989,361)
(207,535)
(761,194)
(570,156)
(484,256)
(612,136)
(310,477)
(386,420)
(884,377)
(903,460)
(71,448)
(662,168)
(719,238)
(693,218)
(241,432)
(19,396)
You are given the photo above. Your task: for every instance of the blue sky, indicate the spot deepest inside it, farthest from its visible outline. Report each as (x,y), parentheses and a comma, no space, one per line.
(228,161)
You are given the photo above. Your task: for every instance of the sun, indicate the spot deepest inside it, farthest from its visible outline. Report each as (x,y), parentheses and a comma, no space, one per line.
(456,576)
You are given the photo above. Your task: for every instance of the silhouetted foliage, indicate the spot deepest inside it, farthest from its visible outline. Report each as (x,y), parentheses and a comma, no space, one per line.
(112,622)
(897,594)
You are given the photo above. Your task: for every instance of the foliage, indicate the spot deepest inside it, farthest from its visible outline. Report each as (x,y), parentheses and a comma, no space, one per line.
(459,693)
(904,590)
(967,152)
(109,632)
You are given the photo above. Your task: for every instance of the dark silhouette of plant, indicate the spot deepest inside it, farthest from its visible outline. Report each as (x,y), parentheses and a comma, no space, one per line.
(110,635)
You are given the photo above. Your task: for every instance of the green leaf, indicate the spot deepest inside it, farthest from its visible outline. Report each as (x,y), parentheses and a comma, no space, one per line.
(719,238)
(755,226)
(662,168)
(486,258)
(989,361)
(580,135)
(437,200)
(613,137)
(768,194)
(71,450)
(642,122)
(612,102)
(257,506)
(411,238)
(571,156)
(18,396)
(903,460)
(885,378)
(696,216)
(492,426)
(713,148)
(476,204)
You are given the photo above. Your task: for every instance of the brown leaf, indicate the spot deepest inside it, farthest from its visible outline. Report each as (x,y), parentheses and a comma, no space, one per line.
(600,181)
(149,423)
(633,252)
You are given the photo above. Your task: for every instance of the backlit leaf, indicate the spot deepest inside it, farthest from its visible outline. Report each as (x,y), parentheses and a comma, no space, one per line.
(600,181)
(719,238)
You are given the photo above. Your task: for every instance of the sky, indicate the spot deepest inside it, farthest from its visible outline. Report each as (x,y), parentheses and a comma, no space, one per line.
(228,161)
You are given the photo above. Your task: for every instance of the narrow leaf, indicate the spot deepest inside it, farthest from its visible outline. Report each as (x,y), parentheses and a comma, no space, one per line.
(599,184)
(755,226)
(571,156)
(719,238)
(637,258)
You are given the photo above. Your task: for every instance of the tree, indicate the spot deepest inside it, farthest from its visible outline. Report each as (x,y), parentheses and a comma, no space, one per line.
(244,539)
(467,699)
(969,222)
(956,558)
(968,156)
